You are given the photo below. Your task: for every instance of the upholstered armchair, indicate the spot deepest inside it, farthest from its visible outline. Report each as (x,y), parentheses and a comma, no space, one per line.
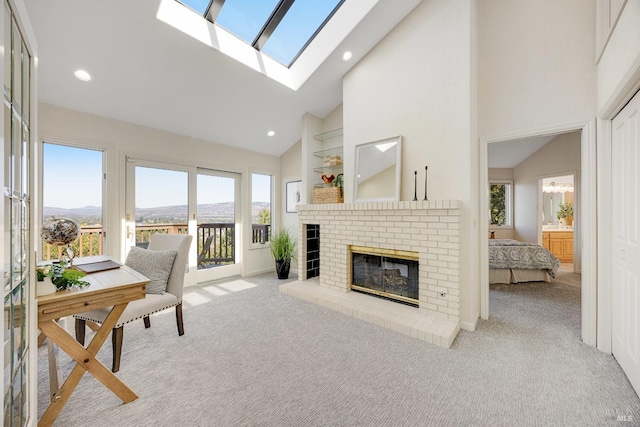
(159,245)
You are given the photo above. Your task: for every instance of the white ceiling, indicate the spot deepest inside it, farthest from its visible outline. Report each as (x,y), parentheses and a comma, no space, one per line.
(510,154)
(149,73)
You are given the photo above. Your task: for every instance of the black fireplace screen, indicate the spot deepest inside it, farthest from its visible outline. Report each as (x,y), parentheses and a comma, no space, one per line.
(386,275)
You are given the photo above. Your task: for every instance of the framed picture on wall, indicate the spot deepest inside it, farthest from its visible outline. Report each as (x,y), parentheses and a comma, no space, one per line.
(293,195)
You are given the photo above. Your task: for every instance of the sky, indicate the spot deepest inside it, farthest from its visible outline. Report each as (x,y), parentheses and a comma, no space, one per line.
(245,19)
(73,179)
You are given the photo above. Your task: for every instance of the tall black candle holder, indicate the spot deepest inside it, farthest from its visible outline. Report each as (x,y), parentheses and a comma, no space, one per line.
(415,186)
(426,170)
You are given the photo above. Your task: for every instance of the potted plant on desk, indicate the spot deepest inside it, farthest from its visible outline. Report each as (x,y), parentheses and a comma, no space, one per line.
(283,249)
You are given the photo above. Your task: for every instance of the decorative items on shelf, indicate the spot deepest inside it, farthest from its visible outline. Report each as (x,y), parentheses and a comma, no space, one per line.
(60,232)
(328,179)
(332,160)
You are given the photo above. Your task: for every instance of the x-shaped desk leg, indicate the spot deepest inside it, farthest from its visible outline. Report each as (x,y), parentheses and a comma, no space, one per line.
(86,361)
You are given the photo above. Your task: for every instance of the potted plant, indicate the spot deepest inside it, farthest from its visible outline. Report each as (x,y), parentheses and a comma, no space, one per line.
(283,249)
(565,212)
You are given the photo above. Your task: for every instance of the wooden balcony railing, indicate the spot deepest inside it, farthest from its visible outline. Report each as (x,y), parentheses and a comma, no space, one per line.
(216,241)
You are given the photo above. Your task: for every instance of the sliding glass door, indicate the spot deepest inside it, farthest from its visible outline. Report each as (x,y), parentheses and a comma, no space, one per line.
(218,208)
(164,198)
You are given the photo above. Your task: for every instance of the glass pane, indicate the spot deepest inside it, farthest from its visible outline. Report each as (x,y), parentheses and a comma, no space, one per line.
(216,220)
(16,340)
(16,96)
(297,27)
(161,203)
(26,92)
(61,167)
(16,403)
(7,144)
(261,207)
(7,60)
(199,6)
(245,18)
(7,342)
(24,160)
(498,204)
(7,245)
(16,242)
(16,155)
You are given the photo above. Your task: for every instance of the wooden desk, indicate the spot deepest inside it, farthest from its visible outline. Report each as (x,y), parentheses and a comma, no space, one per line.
(107,288)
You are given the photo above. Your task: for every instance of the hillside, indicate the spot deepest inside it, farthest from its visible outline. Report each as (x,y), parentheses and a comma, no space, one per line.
(214,212)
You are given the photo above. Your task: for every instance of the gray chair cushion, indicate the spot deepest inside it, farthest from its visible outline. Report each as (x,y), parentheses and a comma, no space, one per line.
(156,265)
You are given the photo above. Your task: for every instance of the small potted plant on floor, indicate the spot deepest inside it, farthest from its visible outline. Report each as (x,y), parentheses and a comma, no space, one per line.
(283,249)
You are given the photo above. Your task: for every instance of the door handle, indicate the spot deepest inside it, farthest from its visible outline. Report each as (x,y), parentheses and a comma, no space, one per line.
(129,234)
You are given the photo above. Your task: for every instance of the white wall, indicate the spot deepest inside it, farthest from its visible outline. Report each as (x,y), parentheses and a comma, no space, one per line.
(536,64)
(561,156)
(416,83)
(290,170)
(119,139)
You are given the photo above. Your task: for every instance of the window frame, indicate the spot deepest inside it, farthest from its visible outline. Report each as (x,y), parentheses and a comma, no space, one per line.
(509,205)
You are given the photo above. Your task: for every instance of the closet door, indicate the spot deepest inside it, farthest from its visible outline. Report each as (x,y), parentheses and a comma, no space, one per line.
(625,194)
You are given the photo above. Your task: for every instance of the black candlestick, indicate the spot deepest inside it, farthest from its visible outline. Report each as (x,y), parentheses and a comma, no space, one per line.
(426,169)
(415,186)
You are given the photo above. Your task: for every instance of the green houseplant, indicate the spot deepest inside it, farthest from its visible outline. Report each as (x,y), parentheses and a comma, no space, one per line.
(283,249)
(565,212)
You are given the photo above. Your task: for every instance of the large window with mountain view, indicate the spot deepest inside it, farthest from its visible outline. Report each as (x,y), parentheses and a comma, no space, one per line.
(72,181)
(261,207)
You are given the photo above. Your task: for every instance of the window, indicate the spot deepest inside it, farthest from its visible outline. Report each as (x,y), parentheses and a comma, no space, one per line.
(64,195)
(281,29)
(260,207)
(501,203)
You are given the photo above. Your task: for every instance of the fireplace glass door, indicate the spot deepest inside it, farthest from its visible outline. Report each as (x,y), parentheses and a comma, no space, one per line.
(389,277)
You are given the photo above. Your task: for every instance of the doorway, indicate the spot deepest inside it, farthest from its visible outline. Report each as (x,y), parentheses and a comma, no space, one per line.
(585,228)
(557,211)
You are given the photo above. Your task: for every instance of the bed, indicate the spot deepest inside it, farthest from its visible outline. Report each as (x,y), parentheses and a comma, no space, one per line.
(511,261)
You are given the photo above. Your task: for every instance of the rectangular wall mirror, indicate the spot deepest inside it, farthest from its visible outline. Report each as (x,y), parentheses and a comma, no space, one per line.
(378,167)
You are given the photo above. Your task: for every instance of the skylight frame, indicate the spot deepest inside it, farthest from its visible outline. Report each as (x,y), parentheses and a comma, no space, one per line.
(270,25)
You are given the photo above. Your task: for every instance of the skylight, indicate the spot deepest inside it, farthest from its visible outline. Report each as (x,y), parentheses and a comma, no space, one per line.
(281,29)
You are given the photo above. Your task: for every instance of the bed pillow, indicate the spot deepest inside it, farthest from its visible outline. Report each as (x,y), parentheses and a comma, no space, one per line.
(156,265)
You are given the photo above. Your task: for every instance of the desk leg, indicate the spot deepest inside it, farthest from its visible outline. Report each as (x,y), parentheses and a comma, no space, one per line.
(86,361)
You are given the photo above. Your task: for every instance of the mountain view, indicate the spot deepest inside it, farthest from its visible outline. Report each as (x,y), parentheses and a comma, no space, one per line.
(214,212)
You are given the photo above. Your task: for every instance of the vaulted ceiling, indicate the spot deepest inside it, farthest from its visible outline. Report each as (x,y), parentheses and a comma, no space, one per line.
(150,72)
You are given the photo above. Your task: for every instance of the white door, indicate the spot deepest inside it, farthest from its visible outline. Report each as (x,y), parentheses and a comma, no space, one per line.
(625,235)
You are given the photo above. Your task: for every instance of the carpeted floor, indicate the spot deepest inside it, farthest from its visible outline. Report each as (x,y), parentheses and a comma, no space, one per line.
(252,356)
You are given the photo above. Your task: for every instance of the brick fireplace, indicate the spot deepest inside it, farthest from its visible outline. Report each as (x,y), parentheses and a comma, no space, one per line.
(428,229)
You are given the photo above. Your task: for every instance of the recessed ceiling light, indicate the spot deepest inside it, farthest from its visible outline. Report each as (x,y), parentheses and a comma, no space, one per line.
(347,55)
(83,75)
(271,133)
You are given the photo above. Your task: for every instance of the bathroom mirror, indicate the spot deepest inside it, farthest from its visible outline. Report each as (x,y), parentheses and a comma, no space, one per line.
(378,170)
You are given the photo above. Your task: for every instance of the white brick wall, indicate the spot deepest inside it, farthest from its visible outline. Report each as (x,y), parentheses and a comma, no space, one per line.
(431,228)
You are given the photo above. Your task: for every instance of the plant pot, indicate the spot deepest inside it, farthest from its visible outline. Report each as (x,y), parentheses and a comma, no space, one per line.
(282,268)
(45,287)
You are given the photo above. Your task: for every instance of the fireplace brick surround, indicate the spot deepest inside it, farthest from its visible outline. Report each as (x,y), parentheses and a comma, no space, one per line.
(430,228)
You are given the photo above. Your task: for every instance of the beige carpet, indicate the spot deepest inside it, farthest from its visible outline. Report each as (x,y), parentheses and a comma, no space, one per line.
(252,356)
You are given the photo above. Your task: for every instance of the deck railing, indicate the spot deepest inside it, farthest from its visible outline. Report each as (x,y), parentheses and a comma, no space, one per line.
(216,241)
